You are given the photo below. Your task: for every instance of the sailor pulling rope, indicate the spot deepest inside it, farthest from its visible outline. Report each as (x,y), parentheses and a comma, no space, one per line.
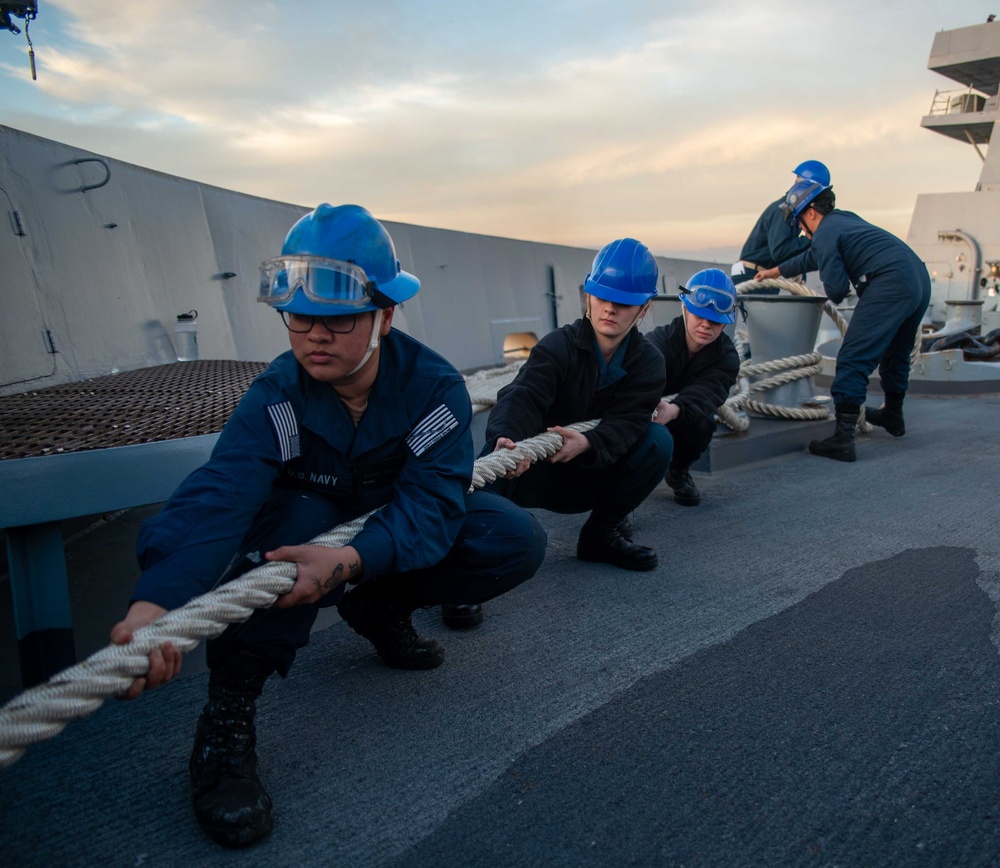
(42,712)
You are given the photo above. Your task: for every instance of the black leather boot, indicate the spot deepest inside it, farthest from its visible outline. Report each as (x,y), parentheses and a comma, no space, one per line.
(685,491)
(625,528)
(840,446)
(229,802)
(380,611)
(602,541)
(462,616)
(889,415)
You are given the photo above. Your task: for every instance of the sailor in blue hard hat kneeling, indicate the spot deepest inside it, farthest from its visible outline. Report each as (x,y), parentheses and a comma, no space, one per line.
(702,366)
(355,417)
(598,367)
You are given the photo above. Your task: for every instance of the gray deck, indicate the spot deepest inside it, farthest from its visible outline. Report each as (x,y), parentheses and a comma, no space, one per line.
(811,677)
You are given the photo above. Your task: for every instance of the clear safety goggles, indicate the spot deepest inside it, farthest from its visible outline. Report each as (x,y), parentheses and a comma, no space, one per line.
(324,281)
(706,296)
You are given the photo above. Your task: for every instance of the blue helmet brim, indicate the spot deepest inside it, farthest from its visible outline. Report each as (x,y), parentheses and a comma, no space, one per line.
(615,296)
(403,286)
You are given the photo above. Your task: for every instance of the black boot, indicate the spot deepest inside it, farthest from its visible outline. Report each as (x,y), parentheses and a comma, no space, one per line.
(229,801)
(840,446)
(625,528)
(889,415)
(380,611)
(685,491)
(602,541)
(462,616)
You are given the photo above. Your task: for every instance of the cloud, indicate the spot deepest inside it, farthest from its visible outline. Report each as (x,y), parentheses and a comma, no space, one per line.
(566,121)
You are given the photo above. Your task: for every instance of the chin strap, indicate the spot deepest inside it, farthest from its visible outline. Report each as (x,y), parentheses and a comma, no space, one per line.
(372,343)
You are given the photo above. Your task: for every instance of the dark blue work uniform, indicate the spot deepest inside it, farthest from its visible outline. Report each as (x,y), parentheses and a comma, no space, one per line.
(565,380)
(290,465)
(772,240)
(893,290)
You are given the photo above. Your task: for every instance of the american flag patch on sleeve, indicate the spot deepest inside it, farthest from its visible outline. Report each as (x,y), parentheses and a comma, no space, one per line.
(286,429)
(430,429)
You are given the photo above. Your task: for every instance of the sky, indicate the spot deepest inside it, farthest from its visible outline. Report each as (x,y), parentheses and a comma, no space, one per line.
(566,121)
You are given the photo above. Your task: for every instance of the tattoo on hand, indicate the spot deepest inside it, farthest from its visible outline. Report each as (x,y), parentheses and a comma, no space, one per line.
(334,579)
(353,570)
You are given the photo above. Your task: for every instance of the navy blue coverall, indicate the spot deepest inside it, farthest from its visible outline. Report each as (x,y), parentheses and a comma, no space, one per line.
(290,465)
(893,289)
(772,240)
(565,380)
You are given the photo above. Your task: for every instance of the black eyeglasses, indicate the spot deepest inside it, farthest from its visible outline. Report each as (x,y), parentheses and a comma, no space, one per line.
(300,323)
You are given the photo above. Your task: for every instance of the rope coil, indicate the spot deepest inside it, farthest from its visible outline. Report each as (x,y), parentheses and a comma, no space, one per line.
(793,368)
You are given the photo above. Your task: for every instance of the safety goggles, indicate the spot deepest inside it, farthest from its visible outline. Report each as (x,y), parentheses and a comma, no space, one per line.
(706,296)
(324,281)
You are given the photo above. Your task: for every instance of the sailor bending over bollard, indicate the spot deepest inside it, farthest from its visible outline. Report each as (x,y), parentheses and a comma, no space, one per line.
(702,366)
(893,289)
(355,416)
(773,240)
(598,367)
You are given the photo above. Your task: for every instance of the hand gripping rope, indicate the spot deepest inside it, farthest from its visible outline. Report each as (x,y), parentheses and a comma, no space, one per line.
(42,712)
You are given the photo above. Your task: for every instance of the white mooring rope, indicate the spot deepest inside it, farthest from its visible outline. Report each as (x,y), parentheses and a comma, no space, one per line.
(793,367)
(42,712)
(484,385)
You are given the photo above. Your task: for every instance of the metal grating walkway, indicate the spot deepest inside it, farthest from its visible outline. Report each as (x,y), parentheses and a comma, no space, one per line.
(182,399)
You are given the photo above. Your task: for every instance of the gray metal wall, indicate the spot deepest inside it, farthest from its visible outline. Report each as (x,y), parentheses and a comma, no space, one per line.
(101,275)
(958,236)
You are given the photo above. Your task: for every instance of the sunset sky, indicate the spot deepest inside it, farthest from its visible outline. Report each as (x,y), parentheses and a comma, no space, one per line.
(674,121)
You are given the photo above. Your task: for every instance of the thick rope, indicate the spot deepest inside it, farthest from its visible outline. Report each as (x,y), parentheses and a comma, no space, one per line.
(801,289)
(787,370)
(484,385)
(799,367)
(42,712)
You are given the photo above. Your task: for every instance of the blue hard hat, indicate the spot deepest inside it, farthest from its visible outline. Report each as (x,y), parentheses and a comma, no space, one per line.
(798,197)
(710,294)
(336,261)
(813,170)
(624,272)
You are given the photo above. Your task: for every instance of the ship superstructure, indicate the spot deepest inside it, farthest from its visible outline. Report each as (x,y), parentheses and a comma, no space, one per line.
(958,234)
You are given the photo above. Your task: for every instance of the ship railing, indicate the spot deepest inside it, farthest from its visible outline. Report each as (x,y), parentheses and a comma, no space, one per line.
(952,102)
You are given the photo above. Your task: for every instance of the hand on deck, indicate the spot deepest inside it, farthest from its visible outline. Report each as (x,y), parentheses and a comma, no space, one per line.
(574,444)
(320,570)
(164,661)
(522,465)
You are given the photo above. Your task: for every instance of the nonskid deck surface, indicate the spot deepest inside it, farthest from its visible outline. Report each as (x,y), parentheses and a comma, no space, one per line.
(811,676)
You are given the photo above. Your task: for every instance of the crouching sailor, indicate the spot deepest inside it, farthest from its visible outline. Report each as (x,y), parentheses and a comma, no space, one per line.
(355,416)
(702,366)
(599,367)
(893,289)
